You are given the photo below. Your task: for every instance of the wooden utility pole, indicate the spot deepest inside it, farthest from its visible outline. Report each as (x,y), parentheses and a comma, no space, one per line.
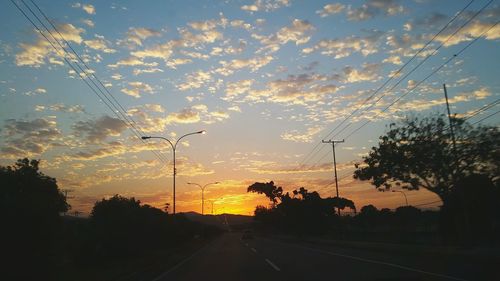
(333,142)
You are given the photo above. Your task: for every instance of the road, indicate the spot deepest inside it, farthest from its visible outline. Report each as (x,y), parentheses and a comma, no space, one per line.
(231,258)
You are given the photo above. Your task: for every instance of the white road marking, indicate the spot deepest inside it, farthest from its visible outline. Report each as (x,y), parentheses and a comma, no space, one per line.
(382,263)
(273,265)
(254,250)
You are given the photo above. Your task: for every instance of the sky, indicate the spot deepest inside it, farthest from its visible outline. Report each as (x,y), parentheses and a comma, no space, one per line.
(267,80)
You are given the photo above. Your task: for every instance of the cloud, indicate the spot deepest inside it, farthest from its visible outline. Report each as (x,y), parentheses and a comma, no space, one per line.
(100,44)
(88,22)
(331,9)
(306,137)
(344,47)
(35,92)
(295,89)
(60,107)
(373,8)
(25,138)
(113,148)
(88,8)
(149,117)
(407,44)
(270,167)
(138,71)
(185,116)
(35,54)
(234,89)
(298,33)
(234,108)
(424,104)
(368,72)
(295,33)
(136,35)
(137,88)
(97,130)
(265,5)
(188,40)
(195,80)
(173,63)
(254,64)
(132,61)
(393,59)
(472,30)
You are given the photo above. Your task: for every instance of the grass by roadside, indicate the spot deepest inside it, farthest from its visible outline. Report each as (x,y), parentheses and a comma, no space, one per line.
(145,267)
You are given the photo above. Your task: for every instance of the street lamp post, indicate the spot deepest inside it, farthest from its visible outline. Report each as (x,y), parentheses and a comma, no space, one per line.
(174,147)
(404,194)
(202,194)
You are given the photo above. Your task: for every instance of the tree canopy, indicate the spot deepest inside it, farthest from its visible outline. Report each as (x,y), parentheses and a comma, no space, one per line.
(419,152)
(301,211)
(267,188)
(25,191)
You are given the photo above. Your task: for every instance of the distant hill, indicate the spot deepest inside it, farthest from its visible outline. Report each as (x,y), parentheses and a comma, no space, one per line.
(234,221)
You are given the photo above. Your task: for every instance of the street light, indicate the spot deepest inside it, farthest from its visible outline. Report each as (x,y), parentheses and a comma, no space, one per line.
(174,147)
(406,199)
(202,193)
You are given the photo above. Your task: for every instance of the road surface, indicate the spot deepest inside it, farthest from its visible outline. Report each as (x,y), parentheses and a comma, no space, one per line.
(231,258)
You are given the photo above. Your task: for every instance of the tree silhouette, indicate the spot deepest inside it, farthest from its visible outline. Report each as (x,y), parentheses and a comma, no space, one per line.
(419,153)
(472,214)
(30,208)
(301,213)
(269,189)
(120,222)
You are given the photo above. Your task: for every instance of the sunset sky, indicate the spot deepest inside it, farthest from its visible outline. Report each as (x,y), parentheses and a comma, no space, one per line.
(267,80)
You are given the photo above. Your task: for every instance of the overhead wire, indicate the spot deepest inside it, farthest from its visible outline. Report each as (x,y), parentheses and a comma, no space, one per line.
(111,106)
(423,80)
(387,81)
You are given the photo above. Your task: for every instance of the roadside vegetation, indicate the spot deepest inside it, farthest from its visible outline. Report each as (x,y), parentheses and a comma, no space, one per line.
(121,238)
(417,152)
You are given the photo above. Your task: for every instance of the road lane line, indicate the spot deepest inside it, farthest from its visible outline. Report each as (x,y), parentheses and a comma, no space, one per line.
(254,250)
(383,263)
(273,265)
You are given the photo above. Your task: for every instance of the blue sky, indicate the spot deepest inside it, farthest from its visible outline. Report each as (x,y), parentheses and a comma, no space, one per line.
(266,79)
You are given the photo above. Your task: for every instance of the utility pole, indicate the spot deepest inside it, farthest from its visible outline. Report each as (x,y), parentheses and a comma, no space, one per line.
(333,142)
(451,128)
(449,118)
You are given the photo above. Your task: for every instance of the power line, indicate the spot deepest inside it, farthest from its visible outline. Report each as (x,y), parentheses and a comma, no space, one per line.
(489,116)
(427,77)
(128,120)
(85,74)
(386,82)
(482,109)
(421,62)
(417,66)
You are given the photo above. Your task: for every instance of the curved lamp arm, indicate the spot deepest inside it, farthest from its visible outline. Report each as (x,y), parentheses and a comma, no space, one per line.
(194,133)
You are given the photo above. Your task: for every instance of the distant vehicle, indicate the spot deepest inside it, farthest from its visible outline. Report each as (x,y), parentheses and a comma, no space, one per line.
(247,234)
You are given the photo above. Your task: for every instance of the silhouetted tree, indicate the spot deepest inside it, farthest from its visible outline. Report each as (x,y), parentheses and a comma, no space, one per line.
(269,189)
(30,208)
(303,212)
(419,153)
(124,226)
(472,214)
(369,210)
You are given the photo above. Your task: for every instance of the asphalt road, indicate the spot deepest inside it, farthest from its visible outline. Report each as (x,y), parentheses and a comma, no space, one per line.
(231,258)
